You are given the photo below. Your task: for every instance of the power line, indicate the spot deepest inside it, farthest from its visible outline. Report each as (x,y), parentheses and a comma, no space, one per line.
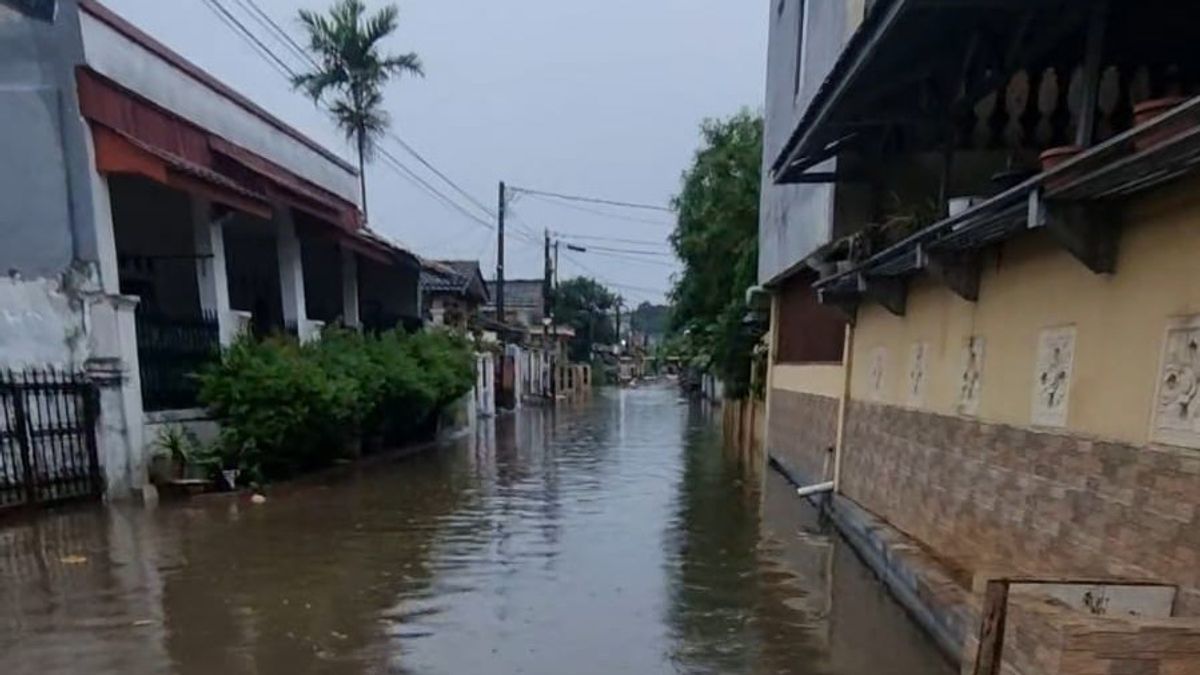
(598,212)
(594,200)
(265,51)
(592,247)
(267,22)
(240,28)
(402,170)
(606,282)
(437,172)
(643,261)
(594,237)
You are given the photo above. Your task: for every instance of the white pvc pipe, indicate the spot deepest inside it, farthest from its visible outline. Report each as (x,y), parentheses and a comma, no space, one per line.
(817,489)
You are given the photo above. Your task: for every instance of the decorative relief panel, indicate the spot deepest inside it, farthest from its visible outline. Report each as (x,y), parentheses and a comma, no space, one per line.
(917,374)
(1177,405)
(1052,376)
(970,380)
(876,373)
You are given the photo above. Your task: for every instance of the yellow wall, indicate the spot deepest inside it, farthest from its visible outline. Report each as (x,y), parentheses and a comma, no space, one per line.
(1030,284)
(818,379)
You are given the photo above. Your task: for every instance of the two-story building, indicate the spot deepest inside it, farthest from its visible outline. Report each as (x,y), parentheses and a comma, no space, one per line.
(980,231)
(151,214)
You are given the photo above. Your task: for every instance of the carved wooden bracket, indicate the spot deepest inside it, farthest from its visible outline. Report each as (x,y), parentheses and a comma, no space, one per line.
(957,271)
(1087,230)
(891,292)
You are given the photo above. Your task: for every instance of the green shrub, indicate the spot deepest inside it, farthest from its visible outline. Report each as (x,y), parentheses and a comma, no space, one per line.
(286,408)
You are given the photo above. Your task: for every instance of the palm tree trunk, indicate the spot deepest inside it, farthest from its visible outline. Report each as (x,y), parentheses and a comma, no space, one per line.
(362,170)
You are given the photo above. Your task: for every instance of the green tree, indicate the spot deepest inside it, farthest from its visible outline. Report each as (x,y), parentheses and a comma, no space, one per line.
(350,63)
(716,238)
(584,305)
(650,319)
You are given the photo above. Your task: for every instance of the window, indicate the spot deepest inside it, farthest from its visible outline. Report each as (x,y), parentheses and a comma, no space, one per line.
(801,29)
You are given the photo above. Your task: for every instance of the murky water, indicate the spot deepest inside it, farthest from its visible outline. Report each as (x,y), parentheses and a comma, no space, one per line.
(614,537)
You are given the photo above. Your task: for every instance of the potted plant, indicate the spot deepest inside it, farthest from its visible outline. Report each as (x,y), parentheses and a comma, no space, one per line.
(175,454)
(1148,111)
(1052,158)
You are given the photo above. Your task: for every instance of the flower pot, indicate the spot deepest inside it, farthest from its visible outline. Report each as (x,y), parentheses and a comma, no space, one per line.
(1148,111)
(1056,157)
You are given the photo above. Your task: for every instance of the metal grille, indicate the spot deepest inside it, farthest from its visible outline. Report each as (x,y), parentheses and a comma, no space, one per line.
(170,352)
(47,438)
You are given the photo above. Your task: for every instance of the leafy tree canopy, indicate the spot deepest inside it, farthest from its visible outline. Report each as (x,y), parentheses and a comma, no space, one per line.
(716,238)
(585,305)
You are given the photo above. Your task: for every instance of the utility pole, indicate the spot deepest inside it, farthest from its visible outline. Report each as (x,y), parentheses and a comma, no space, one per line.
(619,348)
(500,257)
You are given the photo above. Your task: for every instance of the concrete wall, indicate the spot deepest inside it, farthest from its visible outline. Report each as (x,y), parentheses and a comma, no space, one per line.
(796,219)
(801,433)
(45,180)
(998,483)
(1031,285)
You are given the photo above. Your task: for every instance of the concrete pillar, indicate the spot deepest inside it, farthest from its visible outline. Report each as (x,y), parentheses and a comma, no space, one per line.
(350,313)
(291,274)
(106,236)
(113,365)
(211,276)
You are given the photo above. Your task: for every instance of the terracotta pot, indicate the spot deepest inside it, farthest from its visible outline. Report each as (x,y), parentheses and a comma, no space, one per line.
(1148,111)
(1055,157)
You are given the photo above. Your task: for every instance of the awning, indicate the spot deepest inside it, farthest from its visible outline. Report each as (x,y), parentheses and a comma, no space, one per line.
(141,137)
(288,187)
(119,153)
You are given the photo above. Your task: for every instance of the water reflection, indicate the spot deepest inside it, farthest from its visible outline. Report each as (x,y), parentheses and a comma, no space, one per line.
(610,536)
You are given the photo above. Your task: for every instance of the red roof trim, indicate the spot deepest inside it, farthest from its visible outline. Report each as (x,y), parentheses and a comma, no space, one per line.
(119,24)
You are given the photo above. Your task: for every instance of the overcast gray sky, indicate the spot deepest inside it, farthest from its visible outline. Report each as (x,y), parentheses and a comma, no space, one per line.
(576,96)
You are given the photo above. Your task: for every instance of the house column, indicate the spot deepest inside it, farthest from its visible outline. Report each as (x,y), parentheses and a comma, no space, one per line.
(211,280)
(350,315)
(291,274)
(111,354)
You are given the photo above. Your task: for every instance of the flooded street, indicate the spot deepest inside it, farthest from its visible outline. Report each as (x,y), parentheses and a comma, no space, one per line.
(610,537)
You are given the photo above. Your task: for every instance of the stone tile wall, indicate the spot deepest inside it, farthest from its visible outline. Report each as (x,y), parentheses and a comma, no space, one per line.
(803,431)
(1041,638)
(1006,499)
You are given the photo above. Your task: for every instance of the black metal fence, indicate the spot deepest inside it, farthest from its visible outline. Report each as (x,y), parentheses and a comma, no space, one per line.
(47,438)
(171,351)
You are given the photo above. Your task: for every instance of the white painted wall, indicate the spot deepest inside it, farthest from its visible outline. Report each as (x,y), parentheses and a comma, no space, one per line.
(39,325)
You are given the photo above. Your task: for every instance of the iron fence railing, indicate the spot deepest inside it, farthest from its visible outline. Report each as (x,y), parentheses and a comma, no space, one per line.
(171,351)
(47,438)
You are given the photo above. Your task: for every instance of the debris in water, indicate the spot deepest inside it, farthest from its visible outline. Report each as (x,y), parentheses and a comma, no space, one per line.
(73,559)
(258,499)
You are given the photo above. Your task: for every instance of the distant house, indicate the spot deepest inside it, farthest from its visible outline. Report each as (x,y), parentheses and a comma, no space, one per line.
(452,292)
(524,301)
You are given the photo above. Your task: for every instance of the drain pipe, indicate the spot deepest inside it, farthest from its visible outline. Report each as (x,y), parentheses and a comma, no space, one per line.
(843,404)
(819,488)
(843,399)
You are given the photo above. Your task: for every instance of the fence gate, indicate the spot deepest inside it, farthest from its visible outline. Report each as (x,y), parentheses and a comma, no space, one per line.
(47,439)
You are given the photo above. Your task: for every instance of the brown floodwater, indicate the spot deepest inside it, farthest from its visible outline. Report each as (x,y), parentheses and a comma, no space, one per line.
(613,536)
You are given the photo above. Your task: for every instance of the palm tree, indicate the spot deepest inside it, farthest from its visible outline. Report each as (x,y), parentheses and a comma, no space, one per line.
(348,61)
